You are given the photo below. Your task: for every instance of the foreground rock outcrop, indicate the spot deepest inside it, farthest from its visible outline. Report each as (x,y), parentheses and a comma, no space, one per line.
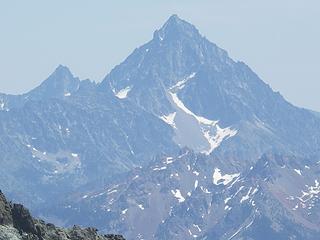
(16,223)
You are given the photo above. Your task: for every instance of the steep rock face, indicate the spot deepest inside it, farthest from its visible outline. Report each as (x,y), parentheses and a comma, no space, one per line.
(5,211)
(209,84)
(17,223)
(59,85)
(77,140)
(176,51)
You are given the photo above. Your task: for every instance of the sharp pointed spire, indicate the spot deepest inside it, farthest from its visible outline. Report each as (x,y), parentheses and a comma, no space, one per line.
(60,83)
(175,27)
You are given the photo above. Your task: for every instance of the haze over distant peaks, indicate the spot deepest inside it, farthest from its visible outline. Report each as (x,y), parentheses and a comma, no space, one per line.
(178,137)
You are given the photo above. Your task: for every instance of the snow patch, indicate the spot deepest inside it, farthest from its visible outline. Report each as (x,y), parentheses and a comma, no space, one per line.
(218,178)
(177,194)
(141,206)
(240,229)
(200,119)
(227,200)
(210,129)
(205,190)
(135,177)
(227,208)
(124,211)
(181,84)
(246,197)
(216,140)
(249,193)
(196,173)
(112,191)
(196,184)
(169,160)
(159,168)
(169,119)
(123,93)
(298,171)
(310,193)
(197,227)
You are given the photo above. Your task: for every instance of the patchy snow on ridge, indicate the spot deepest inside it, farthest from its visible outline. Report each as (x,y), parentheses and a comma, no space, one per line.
(227,200)
(197,227)
(180,105)
(196,184)
(216,140)
(311,192)
(218,178)
(246,197)
(3,106)
(168,160)
(177,194)
(169,119)
(298,171)
(124,211)
(123,93)
(159,168)
(141,206)
(180,85)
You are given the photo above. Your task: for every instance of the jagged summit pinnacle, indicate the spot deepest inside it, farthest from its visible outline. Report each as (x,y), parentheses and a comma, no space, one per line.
(174,19)
(176,49)
(175,27)
(62,70)
(59,84)
(60,76)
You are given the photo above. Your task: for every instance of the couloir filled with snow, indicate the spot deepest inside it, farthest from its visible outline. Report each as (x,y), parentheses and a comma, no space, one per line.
(191,130)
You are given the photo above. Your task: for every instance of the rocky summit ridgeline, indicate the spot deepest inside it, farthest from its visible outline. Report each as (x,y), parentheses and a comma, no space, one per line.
(16,223)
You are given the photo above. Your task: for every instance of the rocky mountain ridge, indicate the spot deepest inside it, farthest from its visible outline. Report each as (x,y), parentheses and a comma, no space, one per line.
(193,196)
(16,223)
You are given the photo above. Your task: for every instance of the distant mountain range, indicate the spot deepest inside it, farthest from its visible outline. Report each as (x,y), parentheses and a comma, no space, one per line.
(192,196)
(179,141)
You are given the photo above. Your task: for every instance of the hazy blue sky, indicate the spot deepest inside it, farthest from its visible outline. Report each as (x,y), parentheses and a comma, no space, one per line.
(280,40)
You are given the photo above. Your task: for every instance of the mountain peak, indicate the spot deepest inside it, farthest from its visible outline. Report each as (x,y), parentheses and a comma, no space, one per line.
(175,27)
(60,83)
(62,70)
(61,76)
(174,19)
